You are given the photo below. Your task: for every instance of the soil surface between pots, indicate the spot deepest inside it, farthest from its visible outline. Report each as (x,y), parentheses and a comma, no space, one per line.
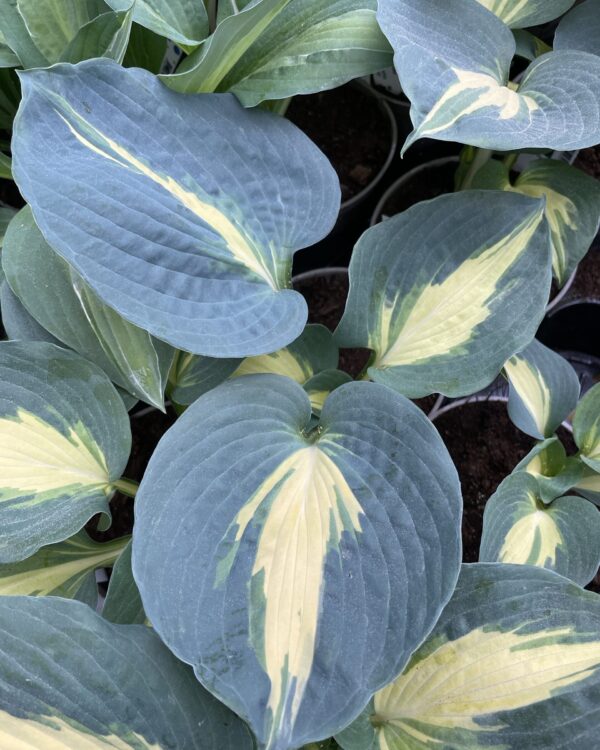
(351,129)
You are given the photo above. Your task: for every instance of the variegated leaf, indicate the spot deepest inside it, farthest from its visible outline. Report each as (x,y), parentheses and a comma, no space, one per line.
(59,569)
(123,604)
(65,306)
(454,63)
(572,205)
(521,13)
(519,528)
(588,485)
(71,680)
(64,441)
(309,562)
(554,472)
(107,35)
(192,375)
(195,249)
(274,49)
(586,428)
(322,384)
(447,291)
(513,663)
(544,389)
(183,21)
(580,29)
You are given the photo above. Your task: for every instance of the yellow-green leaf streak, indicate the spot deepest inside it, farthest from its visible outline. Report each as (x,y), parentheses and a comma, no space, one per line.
(532,390)
(507,10)
(239,245)
(533,539)
(281,362)
(480,674)
(311,505)
(445,315)
(36,458)
(56,733)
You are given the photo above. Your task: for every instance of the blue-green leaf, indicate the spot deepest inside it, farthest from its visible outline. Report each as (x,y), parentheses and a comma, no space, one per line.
(454,63)
(308,566)
(513,664)
(17,37)
(183,21)
(63,304)
(544,389)
(586,428)
(70,679)
(195,249)
(519,528)
(445,292)
(6,216)
(274,49)
(580,29)
(18,323)
(521,13)
(64,440)
(555,473)
(123,603)
(59,569)
(572,205)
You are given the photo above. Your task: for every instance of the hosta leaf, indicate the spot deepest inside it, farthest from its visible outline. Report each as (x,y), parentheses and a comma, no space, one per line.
(6,216)
(59,569)
(513,663)
(8,59)
(192,375)
(274,49)
(580,29)
(104,36)
(544,389)
(296,552)
(197,250)
(445,292)
(588,485)
(17,36)
(529,46)
(5,167)
(183,21)
(454,62)
(18,323)
(555,473)
(64,439)
(572,205)
(123,603)
(518,527)
(63,304)
(69,679)
(520,13)
(10,95)
(322,384)
(145,49)
(586,427)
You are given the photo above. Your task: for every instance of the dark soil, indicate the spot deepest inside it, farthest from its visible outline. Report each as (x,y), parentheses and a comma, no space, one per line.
(429,183)
(588,160)
(485,447)
(326,300)
(146,430)
(350,128)
(587,279)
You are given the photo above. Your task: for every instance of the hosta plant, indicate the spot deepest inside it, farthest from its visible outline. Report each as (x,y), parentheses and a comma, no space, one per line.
(294,568)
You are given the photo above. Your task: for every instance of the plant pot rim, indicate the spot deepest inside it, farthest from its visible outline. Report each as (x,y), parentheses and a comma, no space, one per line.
(439,162)
(315,273)
(555,302)
(347,205)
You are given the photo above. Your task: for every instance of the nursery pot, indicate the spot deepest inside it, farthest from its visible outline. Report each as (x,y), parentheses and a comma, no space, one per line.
(325,291)
(419,184)
(357,202)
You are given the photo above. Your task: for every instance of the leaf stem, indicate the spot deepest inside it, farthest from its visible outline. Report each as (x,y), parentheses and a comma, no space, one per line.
(127,487)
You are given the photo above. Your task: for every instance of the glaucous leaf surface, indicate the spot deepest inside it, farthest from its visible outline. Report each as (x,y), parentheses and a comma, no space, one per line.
(192,375)
(64,439)
(63,304)
(454,60)
(274,49)
(519,528)
(543,390)
(572,205)
(70,679)
(447,291)
(17,37)
(6,216)
(191,206)
(183,21)
(586,427)
(309,562)
(322,384)
(580,29)
(521,13)
(513,663)
(123,603)
(588,485)
(18,323)
(106,35)
(59,569)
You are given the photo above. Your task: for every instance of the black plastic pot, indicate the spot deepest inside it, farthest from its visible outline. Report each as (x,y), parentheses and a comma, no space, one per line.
(336,248)
(421,183)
